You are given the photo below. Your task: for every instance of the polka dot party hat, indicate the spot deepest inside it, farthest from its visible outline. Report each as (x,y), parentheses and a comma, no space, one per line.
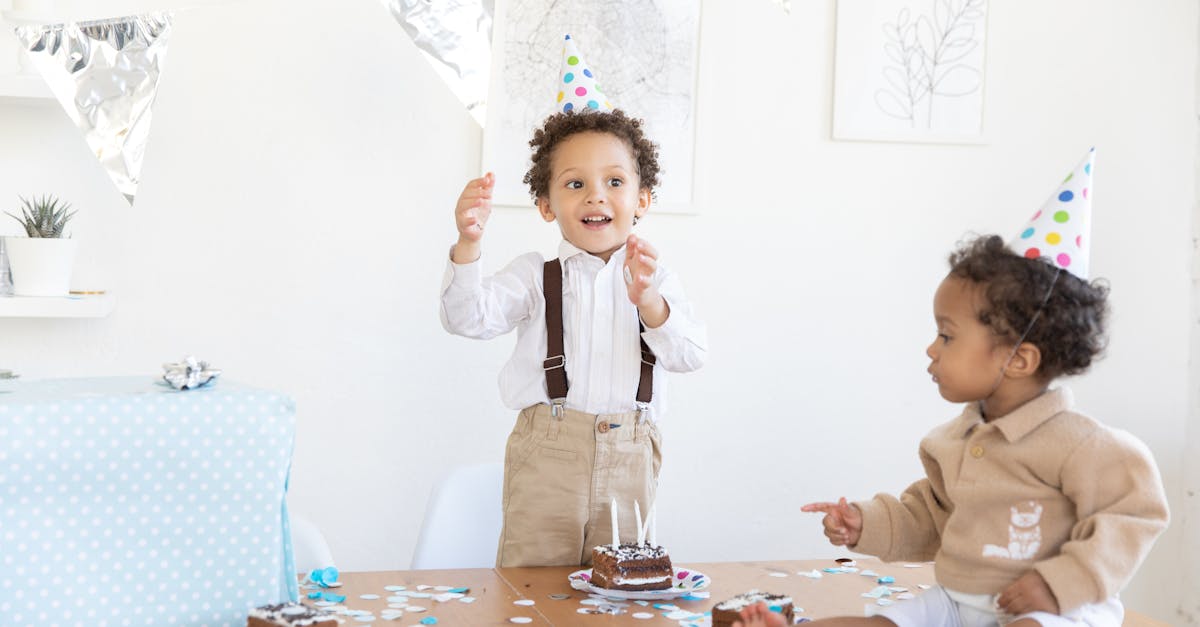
(577,90)
(1060,231)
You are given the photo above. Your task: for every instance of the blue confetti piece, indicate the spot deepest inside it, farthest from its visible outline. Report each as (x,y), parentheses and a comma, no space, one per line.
(314,595)
(429,620)
(323,576)
(459,590)
(886,579)
(688,597)
(333,598)
(776,608)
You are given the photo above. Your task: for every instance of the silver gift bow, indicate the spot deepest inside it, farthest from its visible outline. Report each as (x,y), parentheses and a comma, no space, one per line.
(189,373)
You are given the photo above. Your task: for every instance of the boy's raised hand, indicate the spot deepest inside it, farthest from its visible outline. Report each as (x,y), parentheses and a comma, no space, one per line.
(471,214)
(843,521)
(1029,593)
(641,261)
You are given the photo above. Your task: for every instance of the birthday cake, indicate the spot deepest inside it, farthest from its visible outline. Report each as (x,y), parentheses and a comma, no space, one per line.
(631,567)
(289,615)
(726,612)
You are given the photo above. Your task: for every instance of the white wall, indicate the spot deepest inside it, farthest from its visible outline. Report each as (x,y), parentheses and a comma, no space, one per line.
(1189,498)
(296,207)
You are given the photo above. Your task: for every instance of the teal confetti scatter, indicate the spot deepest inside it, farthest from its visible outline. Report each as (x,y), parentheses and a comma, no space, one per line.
(323,576)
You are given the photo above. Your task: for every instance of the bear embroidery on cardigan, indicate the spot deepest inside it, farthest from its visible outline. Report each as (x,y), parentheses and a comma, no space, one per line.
(1024,533)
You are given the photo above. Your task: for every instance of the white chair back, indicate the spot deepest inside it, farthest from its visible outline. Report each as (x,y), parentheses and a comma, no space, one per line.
(462,520)
(309,548)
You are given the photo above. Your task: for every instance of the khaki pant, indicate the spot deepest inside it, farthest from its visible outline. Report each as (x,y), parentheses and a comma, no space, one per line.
(560,477)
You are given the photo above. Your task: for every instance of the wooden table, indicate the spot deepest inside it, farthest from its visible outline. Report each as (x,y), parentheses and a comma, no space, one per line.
(495,590)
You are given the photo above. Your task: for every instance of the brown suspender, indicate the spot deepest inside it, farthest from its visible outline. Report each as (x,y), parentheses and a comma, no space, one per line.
(556,361)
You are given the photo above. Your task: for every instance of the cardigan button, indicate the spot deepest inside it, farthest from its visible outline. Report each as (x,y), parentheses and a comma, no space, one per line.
(976,452)
(602,427)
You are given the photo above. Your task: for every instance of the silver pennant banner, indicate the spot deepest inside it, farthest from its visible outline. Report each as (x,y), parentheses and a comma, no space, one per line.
(105,74)
(456,37)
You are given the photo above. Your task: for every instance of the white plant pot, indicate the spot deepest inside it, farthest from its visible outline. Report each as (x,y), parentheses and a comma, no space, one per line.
(41,266)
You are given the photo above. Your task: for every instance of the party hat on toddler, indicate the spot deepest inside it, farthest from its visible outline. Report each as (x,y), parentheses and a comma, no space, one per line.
(1060,232)
(577,90)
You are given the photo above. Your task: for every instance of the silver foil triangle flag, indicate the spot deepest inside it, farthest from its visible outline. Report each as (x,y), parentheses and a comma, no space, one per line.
(105,75)
(456,38)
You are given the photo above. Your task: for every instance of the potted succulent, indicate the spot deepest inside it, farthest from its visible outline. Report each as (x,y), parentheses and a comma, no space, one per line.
(41,263)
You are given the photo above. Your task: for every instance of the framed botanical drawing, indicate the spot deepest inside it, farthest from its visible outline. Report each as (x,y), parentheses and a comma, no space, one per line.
(910,70)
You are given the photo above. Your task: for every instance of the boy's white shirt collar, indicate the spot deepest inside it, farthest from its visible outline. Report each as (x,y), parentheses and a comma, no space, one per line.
(566,250)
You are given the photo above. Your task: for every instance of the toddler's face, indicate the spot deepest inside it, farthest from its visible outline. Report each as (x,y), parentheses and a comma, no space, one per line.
(594,192)
(966,360)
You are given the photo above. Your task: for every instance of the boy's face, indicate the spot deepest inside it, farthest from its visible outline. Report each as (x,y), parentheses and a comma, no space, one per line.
(966,358)
(594,192)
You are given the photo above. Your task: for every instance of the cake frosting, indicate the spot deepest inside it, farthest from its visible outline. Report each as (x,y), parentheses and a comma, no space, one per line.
(726,612)
(289,615)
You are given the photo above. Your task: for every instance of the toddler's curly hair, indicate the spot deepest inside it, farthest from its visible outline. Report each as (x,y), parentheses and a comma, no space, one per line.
(1070,332)
(560,126)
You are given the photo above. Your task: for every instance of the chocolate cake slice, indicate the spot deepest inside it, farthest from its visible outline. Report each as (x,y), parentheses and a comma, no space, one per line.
(631,567)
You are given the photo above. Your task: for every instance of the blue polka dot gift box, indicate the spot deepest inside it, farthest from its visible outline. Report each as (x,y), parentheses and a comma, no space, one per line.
(126,502)
(1060,232)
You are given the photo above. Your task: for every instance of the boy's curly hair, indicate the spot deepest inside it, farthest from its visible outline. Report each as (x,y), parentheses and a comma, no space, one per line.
(1070,331)
(560,126)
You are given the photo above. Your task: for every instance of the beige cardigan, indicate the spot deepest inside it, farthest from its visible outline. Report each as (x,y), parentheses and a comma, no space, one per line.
(1043,487)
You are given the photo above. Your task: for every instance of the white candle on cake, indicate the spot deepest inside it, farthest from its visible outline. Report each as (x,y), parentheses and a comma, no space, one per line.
(637,519)
(616,536)
(643,530)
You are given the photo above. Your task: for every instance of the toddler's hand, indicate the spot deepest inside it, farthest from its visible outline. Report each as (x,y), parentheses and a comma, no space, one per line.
(1029,593)
(641,260)
(843,521)
(759,615)
(473,208)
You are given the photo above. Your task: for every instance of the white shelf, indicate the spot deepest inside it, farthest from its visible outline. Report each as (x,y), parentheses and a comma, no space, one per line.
(24,87)
(91,306)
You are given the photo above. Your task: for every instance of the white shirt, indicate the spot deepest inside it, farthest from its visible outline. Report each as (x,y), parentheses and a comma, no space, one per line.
(600,329)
